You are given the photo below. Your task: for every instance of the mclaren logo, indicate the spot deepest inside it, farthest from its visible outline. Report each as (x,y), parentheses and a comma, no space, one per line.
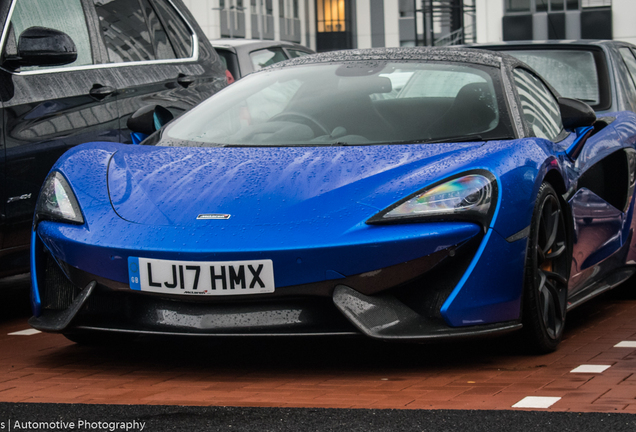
(213,216)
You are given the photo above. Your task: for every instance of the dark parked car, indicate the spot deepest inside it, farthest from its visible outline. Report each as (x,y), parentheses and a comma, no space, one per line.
(74,71)
(243,56)
(601,73)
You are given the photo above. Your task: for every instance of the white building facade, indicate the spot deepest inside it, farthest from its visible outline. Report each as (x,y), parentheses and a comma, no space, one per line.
(325,25)
(509,20)
(322,25)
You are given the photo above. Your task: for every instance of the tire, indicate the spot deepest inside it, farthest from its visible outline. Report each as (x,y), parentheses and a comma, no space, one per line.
(97,338)
(547,271)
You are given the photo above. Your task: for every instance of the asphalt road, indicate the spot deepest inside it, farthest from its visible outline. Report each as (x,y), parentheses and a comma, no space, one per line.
(179,418)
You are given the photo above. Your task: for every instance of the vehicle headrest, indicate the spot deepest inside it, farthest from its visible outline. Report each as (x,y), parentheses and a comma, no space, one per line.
(474,93)
(365,85)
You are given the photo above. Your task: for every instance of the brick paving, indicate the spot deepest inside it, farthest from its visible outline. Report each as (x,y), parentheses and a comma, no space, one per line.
(333,373)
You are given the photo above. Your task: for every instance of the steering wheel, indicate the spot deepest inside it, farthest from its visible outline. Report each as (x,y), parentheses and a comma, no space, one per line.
(315,125)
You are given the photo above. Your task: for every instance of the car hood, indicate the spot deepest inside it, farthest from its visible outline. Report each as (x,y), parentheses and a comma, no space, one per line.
(259,186)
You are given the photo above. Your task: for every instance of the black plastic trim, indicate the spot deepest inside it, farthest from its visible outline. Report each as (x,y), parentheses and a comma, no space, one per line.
(519,235)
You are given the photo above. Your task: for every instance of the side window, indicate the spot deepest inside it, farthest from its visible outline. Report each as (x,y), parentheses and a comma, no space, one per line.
(293,53)
(630,61)
(179,33)
(125,30)
(626,80)
(540,108)
(64,15)
(229,61)
(161,44)
(266,57)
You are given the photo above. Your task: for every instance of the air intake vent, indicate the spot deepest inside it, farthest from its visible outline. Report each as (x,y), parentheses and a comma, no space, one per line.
(58,292)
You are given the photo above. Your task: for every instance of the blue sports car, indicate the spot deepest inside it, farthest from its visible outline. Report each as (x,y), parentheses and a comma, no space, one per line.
(402,194)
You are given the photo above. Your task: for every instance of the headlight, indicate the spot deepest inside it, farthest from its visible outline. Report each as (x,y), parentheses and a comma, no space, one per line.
(57,201)
(469,196)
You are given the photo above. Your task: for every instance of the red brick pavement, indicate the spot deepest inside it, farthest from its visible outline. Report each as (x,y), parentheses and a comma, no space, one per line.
(338,373)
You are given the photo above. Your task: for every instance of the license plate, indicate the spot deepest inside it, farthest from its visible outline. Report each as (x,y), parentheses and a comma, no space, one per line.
(201,277)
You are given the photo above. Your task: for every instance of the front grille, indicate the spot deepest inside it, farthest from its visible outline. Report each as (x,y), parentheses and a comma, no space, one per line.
(134,311)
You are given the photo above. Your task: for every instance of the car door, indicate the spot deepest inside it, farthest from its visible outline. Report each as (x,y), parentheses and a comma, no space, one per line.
(5,7)
(47,110)
(159,55)
(602,172)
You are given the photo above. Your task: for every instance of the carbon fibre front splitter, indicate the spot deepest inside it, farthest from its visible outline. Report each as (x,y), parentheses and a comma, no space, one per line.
(380,316)
(385,317)
(57,321)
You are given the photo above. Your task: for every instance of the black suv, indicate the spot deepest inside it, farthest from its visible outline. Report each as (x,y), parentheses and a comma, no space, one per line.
(73,71)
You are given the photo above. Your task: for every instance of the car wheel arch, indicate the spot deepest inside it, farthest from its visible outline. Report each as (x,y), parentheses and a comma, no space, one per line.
(555,178)
(536,325)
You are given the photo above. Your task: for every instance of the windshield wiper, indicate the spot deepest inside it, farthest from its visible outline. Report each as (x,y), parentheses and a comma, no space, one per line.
(456,139)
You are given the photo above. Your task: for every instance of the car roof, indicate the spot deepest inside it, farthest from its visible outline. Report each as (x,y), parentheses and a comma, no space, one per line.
(251,44)
(451,54)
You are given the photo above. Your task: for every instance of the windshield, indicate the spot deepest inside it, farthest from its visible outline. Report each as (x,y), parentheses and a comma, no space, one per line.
(349,103)
(571,72)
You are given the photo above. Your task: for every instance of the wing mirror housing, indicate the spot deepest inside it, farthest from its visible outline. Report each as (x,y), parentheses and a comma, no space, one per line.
(41,46)
(575,113)
(147,120)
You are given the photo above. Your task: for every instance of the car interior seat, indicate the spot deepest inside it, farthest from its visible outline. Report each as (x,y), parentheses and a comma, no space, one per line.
(472,112)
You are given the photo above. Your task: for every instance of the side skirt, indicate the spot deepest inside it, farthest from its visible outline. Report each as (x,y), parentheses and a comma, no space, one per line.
(610,281)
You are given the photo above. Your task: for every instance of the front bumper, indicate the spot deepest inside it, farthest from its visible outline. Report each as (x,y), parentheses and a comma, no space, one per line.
(404,301)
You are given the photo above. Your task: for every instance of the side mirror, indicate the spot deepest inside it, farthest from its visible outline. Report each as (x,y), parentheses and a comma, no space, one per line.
(575,113)
(40,46)
(146,120)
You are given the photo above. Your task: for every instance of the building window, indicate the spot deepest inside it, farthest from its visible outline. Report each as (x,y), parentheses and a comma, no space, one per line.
(596,3)
(557,5)
(331,16)
(518,5)
(407,8)
(541,6)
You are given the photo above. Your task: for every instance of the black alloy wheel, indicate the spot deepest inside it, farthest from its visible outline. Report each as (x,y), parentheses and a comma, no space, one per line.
(546,273)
